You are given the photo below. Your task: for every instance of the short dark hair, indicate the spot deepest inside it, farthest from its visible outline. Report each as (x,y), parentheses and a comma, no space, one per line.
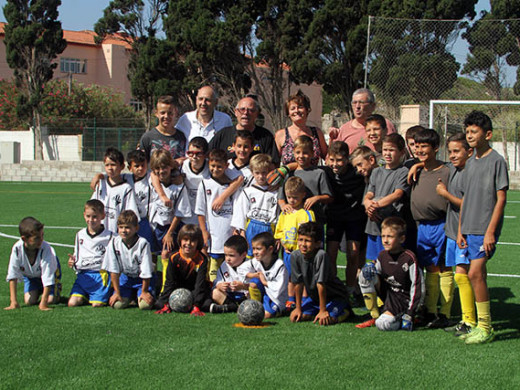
(339,148)
(395,139)
(313,230)
(136,156)
(199,143)
(458,137)
(237,243)
(29,226)
(299,98)
(244,134)
(115,155)
(478,118)
(377,118)
(95,205)
(166,99)
(428,136)
(192,232)
(396,223)
(410,133)
(218,155)
(265,238)
(127,217)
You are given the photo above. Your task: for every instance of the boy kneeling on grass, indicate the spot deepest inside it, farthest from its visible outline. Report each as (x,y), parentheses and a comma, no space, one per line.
(327,300)
(396,277)
(129,260)
(34,261)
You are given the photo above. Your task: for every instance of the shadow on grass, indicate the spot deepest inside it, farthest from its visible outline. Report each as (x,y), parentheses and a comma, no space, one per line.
(505,314)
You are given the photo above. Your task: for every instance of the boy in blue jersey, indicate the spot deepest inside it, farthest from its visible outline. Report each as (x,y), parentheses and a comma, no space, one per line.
(485,185)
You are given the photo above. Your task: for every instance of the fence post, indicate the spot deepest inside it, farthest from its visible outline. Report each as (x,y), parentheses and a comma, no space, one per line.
(95,143)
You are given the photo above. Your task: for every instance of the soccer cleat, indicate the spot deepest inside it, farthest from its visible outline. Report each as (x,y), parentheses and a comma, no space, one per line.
(225,308)
(438,322)
(464,329)
(356,300)
(367,324)
(480,336)
(459,329)
(290,305)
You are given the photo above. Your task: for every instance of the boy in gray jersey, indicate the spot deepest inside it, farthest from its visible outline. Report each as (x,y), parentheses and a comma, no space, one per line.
(485,185)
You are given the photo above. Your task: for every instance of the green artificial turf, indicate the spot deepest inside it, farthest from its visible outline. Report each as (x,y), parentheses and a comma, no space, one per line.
(86,348)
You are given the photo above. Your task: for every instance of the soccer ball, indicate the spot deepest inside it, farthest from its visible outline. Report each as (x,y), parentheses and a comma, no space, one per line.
(251,312)
(181,300)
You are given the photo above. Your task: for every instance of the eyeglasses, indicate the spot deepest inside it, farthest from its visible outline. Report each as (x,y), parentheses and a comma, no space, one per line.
(244,110)
(191,153)
(360,102)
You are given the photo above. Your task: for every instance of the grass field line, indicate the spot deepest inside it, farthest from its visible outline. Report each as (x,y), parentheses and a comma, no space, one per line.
(49,227)
(51,243)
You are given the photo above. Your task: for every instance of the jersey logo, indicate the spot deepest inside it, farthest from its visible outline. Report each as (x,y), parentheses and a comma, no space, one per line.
(226,274)
(208,192)
(256,148)
(117,199)
(100,249)
(137,259)
(81,241)
(405,267)
(22,269)
(253,200)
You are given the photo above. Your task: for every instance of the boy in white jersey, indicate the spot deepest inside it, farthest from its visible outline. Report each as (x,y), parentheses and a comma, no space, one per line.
(34,261)
(239,166)
(129,261)
(92,283)
(256,208)
(268,282)
(215,225)
(115,193)
(164,220)
(230,287)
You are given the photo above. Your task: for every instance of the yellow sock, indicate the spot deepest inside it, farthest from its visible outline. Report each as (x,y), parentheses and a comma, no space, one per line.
(446,287)
(164,263)
(484,315)
(371,304)
(255,294)
(467,299)
(432,291)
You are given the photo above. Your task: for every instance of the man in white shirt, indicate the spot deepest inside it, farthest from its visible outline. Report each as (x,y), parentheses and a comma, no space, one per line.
(205,121)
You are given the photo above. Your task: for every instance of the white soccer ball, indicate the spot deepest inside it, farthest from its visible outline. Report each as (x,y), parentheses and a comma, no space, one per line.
(181,300)
(251,312)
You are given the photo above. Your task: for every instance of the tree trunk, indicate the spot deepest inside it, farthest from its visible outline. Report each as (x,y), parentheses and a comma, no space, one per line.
(38,145)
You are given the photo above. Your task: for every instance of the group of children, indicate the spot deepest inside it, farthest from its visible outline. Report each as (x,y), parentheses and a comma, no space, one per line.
(219,227)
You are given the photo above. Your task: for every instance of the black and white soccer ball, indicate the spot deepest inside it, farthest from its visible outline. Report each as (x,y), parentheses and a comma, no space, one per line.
(181,300)
(251,312)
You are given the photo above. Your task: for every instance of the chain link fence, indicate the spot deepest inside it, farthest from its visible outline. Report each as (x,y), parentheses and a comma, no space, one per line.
(411,62)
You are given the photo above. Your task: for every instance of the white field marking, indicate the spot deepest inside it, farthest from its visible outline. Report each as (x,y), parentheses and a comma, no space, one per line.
(510,216)
(498,275)
(48,227)
(51,243)
(508,243)
(513,201)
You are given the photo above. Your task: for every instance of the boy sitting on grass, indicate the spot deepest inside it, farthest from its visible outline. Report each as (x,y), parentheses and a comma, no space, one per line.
(230,287)
(396,278)
(188,269)
(327,298)
(34,261)
(92,283)
(129,261)
(268,282)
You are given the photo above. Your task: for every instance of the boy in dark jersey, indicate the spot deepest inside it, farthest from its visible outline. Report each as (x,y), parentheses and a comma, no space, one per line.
(396,278)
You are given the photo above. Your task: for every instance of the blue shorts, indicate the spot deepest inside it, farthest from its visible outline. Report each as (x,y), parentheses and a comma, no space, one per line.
(145,230)
(35,284)
(269,306)
(352,230)
(336,309)
(476,247)
(236,297)
(92,285)
(374,247)
(287,262)
(131,287)
(431,243)
(254,228)
(158,234)
(455,255)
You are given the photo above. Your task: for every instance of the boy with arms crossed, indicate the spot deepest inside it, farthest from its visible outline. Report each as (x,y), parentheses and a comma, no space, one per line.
(92,283)
(115,193)
(256,208)
(485,184)
(327,300)
(188,269)
(230,287)
(429,211)
(33,260)
(289,222)
(129,261)
(268,281)
(459,152)
(396,278)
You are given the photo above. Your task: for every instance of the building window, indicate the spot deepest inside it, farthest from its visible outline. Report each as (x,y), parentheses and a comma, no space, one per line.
(73,65)
(136,104)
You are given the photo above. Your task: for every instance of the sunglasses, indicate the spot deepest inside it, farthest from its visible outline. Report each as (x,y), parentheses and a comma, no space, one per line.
(191,153)
(244,110)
